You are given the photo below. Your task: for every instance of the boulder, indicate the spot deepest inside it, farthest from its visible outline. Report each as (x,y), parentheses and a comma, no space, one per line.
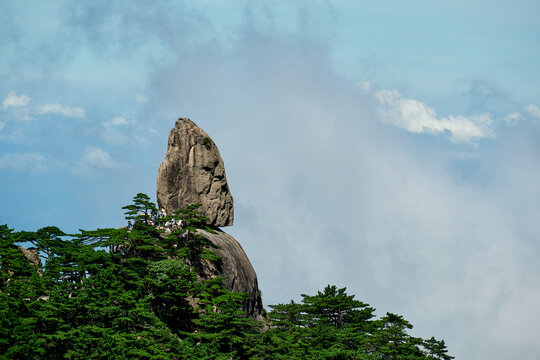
(32,255)
(235,267)
(193,173)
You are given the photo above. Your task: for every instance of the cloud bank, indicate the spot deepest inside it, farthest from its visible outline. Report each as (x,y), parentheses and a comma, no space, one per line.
(325,193)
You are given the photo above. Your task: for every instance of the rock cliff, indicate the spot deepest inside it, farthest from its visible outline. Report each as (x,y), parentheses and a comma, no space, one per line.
(193,172)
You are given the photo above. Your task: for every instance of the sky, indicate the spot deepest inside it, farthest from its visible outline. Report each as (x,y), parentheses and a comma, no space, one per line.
(389,147)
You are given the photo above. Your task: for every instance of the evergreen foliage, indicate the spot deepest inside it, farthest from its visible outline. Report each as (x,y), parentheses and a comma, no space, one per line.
(134,294)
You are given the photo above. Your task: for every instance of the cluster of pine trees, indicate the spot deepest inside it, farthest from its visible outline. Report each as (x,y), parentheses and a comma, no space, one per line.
(134,294)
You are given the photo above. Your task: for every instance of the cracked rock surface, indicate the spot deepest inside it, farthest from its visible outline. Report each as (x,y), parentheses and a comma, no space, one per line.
(193,173)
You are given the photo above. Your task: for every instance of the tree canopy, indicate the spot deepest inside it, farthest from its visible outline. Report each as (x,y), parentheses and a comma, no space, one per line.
(134,294)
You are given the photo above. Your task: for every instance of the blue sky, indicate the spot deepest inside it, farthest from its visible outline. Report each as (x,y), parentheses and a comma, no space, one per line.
(389,147)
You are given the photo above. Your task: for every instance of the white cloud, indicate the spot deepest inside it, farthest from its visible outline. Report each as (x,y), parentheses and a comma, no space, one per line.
(63,110)
(364,85)
(141,98)
(117,121)
(116,130)
(533,111)
(529,112)
(514,117)
(95,158)
(2,125)
(15,101)
(417,118)
(25,114)
(98,158)
(24,162)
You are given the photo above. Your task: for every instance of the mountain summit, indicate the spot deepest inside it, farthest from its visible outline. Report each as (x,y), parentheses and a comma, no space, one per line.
(193,173)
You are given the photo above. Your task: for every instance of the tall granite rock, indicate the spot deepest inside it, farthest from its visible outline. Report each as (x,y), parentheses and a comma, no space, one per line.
(193,173)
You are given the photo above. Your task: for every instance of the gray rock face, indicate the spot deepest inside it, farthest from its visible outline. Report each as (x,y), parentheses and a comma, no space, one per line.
(32,255)
(193,173)
(235,266)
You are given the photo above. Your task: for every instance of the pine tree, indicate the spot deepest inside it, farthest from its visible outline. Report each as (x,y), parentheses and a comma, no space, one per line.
(141,208)
(436,349)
